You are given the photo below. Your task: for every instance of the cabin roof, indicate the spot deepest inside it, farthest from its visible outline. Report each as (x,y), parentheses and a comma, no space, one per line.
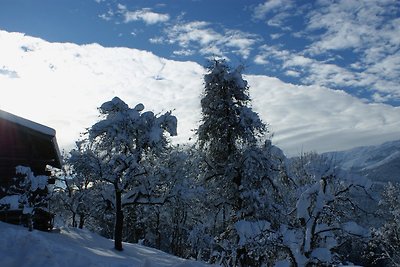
(39,142)
(27,123)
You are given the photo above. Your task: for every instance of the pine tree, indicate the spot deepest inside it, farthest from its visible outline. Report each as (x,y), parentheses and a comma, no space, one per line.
(228,126)
(228,122)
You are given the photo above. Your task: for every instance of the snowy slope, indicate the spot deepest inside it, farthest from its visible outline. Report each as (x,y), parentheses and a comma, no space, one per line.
(76,248)
(379,163)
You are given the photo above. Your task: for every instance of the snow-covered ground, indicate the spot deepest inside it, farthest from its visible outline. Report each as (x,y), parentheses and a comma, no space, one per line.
(76,248)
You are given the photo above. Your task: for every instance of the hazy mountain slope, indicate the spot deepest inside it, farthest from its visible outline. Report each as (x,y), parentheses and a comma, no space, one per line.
(379,163)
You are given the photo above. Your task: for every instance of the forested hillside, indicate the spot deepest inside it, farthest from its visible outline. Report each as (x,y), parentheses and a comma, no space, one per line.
(232,197)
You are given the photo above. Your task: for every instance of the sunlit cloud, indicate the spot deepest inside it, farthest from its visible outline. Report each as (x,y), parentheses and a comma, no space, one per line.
(270,6)
(145,14)
(203,36)
(197,32)
(184,52)
(353,24)
(108,16)
(367,33)
(292,73)
(347,44)
(61,85)
(305,118)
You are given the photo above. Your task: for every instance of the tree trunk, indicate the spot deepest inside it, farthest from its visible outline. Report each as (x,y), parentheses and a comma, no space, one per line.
(73,219)
(158,231)
(119,221)
(81,220)
(30,222)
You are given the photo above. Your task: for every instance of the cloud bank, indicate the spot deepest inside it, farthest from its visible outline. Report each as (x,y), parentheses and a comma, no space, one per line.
(348,43)
(62,84)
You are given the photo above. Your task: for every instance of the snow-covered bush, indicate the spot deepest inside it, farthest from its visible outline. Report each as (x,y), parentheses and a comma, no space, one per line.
(28,193)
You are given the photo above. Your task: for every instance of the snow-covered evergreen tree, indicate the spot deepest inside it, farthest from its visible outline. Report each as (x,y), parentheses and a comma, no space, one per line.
(228,122)
(229,127)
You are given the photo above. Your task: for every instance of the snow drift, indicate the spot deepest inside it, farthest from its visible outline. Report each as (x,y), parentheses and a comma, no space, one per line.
(78,248)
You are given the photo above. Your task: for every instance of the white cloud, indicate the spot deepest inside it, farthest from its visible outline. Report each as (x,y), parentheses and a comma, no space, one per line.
(145,14)
(369,28)
(297,60)
(344,43)
(202,36)
(292,73)
(261,10)
(276,13)
(351,43)
(379,98)
(261,59)
(198,32)
(275,36)
(61,85)
(66,97)
(381,77)
(279,20)
(184,52)
(157,40)
(107,16)
(316,118)
(242,41)
(8,73)
(122,7)
(349,24)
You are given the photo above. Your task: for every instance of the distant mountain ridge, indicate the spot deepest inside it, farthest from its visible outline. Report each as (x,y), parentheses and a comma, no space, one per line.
(380,163)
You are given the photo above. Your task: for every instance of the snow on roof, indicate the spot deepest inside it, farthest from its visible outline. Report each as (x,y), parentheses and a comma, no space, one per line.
(27,123)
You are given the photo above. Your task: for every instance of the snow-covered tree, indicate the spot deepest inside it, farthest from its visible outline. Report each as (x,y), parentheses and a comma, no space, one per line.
(167,225)
(324,214)
(306,223)
(228,122)
(228,126)
(119,143)
(76,196)
(265,182)
(229,135)
(384,246)
(263,193)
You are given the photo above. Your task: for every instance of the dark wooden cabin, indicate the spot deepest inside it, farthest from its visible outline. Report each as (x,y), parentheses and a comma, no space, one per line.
(25,143)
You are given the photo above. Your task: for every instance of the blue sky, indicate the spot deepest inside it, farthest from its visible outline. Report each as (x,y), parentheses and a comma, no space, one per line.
(347,45)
